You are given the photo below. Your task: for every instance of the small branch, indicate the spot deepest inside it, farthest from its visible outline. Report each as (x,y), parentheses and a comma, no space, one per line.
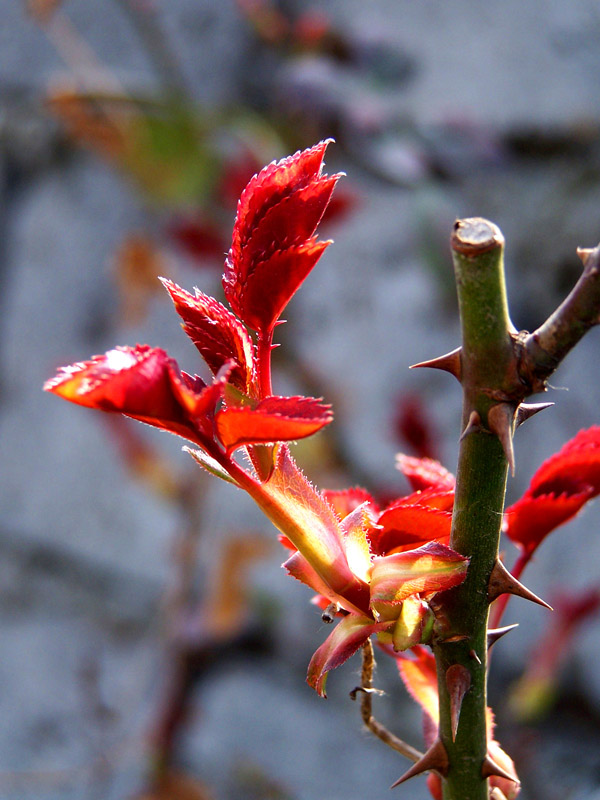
(366,689)
(545,348)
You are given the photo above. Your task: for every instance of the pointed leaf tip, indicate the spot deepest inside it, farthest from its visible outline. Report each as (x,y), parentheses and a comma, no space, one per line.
(273,246)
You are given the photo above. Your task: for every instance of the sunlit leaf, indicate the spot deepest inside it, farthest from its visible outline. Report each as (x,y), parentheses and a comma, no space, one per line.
(309,523)
(431,568)
(346,500)
(217,333)
(414,622)
(274,419)
(273,247)
(406,527)
(143,383)
(343,642)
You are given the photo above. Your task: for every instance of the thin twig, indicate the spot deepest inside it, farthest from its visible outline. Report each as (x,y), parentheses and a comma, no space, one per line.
(546,347)
(366,689)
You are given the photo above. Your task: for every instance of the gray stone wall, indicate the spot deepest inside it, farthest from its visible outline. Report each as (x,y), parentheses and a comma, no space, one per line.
(86,551)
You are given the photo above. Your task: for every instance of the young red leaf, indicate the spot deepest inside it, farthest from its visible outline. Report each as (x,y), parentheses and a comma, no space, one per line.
(528,521)
(217,333)
(431,568)
(273,247)
(343,642)
(143,383)
(300,568)
(274,419)
(346,500)
(423,473)
(558,490)
(404,527)
(419,676)
(273,282)
(576,464)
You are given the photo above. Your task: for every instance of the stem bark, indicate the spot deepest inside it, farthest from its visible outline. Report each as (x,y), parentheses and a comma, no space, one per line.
(488,365)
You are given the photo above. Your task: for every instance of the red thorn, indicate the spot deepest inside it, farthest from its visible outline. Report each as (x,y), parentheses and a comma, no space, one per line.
(497,794)
(489,769)
(527,410)
(473,425)
(502,582)
(500,422)
(450,362)
(497,633)
(435,758)
(458,681)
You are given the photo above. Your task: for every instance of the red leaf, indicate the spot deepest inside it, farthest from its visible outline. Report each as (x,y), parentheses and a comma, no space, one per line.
(576,464)
(274,419)
(528,521)
(423,473)
(300,569)
(431,568)
(144,383)
(420,678)
(346,500)
(558,490)
(200,239)
(217,333)
(273,248)
(404,527)
(343,642)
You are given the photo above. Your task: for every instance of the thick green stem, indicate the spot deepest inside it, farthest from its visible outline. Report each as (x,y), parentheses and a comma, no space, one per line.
(488,365)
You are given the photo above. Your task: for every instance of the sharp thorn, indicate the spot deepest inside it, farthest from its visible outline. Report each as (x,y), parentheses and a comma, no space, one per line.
(449,363)
(500,422)
(526,410)
(497,633)
(474,656)
(435,758)
(502,582)
(473,425)
(458,681)
(584,253)
(489,769)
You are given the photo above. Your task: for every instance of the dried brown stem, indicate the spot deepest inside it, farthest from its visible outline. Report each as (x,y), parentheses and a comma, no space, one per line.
(366,689)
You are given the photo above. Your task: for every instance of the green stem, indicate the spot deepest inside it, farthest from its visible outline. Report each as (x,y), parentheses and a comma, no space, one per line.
(488,365)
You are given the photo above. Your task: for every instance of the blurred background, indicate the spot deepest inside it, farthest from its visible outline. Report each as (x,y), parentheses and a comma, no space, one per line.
(151,645)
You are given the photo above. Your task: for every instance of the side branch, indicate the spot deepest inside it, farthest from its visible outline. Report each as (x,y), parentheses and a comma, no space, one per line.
(367,691)
(545,348)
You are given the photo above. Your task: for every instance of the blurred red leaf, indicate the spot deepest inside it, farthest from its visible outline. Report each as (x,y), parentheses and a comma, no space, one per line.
(558,490)
(423,473)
